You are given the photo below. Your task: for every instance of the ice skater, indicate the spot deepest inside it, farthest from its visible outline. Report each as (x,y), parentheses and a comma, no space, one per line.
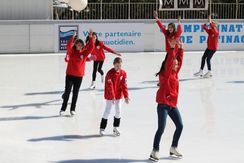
(115,90)
(212,46)
(98,51)
(78,55)
(167,97)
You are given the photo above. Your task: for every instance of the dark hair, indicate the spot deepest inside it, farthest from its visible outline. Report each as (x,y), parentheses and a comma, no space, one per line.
(78,41)
(97,41)
(173,25)
(162,65)
(117,60)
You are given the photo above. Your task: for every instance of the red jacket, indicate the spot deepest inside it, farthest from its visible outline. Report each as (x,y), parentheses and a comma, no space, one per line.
(213,36)
(98,51)
(169,84)
(115,85)
(77,59)
(169,36)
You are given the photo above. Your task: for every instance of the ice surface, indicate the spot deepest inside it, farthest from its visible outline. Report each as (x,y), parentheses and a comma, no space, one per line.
(32,132)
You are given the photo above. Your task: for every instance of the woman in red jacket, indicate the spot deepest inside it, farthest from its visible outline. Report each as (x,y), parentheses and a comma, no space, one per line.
(115,90)
(75,70)
(171,33)
(213,35)
(100,55)
(167,97)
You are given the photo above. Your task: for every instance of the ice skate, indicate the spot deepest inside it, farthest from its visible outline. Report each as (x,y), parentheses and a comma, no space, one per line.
(72,113)
(61,113)
(93,86)
(199,73)
(102,132)
(154,156)
(208,75)
(175,153)
(116,131)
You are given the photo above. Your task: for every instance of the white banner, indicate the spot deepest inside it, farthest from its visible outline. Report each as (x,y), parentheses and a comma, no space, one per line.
(183,4)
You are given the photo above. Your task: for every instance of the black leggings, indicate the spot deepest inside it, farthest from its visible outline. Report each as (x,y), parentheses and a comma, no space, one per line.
(97,67)
(208,54)
(75,82)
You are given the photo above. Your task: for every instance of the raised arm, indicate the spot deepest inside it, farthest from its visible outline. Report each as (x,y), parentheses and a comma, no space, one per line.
(204,26)
(179,28)
(170,59)
(89,46)
(70,43)
(161,26)
(215,31)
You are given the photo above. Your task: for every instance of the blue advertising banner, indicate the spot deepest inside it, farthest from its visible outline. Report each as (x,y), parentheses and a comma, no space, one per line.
(65,33)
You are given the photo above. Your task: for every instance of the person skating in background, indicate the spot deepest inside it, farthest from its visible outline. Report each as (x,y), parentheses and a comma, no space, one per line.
(98,51)
(115,90)
(167,97)
(78,55)
(171,33)
(212,46)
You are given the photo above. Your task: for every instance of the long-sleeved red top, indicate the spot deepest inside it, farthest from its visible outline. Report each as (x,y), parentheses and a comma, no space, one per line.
(213,35)
(169,36)
(115,85)
(78,58)
(169,84)
(98,51)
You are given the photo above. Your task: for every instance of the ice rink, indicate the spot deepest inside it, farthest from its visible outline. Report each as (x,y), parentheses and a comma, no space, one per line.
(31,130)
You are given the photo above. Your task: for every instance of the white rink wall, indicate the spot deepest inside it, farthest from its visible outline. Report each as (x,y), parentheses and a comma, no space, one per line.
(122,35)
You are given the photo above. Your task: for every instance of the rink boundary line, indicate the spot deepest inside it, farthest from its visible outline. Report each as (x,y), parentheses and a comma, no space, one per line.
(63,54)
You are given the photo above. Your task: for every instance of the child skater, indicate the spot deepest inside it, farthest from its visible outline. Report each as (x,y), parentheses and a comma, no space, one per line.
(167,96)
(212,46)
(115,90)
(75,70)
(100,55)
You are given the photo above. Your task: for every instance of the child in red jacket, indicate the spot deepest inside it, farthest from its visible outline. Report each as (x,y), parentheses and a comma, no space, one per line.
(98,51)
(212,43)
(75,70)
(115,90)
(167,97)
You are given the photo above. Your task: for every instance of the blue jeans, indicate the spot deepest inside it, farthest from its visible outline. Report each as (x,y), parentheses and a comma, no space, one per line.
(163,111)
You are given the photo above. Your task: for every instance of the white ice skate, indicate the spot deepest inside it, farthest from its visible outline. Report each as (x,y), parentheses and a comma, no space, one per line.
(208,75)
(102,132)
(61,113)
(116,131)
(72,113)
(199,73)
(175,153)
(154,156)
(93,86)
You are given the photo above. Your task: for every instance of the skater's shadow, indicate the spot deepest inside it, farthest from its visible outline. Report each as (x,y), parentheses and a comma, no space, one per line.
(24,118)
(132,88)
(236,82)
(104,161)
(188,79)
(170,158)
(31,105)
(150,82)
(50,92)
(67,138)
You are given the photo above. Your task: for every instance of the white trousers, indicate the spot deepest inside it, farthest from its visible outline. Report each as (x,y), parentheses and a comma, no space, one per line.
(108,107)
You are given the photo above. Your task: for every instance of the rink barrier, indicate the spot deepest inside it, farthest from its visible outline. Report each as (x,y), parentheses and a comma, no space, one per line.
(121,35)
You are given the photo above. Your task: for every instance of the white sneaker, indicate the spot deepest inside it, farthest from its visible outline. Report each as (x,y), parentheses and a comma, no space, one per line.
(102,78)
(102,132)
(93,86)
(154,156)
(199,73)
(208,75)
(73,113)
(61,113)
(174,152)
(116,131)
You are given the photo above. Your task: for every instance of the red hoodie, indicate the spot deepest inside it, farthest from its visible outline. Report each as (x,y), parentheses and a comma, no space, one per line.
(98,51)
(169,36)
(169,84)
(115,85)
(77,59)
(213,36)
